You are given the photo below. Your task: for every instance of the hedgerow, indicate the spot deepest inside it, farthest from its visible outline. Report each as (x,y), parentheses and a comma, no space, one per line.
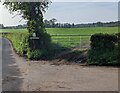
(19,42)
(21,45)
(104,50)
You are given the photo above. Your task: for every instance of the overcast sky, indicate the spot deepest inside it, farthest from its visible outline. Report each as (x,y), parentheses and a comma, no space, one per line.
(72,12)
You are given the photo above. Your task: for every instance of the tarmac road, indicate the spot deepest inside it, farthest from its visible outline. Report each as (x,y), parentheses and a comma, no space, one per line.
(11,80)
(21,75)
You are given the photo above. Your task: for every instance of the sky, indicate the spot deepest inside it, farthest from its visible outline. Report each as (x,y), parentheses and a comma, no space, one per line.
(70,12)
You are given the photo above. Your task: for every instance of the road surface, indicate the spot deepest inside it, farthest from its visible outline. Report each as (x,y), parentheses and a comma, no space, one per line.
(21,75)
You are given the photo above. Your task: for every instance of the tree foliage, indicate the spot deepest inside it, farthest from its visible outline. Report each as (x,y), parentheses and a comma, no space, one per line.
(33,13)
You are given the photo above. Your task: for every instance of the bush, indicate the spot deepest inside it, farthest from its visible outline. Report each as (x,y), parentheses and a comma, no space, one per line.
(44,42)
(21,44)
(103,41)
(103,57)
(34,54)
(104,50)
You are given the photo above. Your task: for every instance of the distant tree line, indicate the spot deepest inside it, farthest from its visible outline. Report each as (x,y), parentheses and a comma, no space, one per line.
(99,24)
(13,27)
(1,26)
(53,24)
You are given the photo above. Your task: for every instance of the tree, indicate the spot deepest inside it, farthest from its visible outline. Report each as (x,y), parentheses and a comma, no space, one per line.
(47,23)
(33,13)
(52,22)
(1,26)
(99,24)
(73,25)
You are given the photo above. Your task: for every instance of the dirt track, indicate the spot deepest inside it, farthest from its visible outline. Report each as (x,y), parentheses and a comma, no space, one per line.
(22,75)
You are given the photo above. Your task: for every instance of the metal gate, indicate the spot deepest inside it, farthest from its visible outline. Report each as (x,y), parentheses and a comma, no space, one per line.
(70,41)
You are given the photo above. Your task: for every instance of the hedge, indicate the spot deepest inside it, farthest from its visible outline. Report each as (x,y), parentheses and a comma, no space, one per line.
(21,46)
(104,50)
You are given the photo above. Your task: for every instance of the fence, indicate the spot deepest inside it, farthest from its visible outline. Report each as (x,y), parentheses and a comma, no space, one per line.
(70,41)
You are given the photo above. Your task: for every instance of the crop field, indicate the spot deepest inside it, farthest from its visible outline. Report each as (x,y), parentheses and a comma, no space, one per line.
(84,31)
(70,37)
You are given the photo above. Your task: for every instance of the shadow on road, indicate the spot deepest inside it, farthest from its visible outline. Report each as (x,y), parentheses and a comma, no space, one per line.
(11,75)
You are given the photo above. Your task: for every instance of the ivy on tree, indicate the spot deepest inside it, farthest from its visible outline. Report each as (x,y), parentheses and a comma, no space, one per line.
(33,13)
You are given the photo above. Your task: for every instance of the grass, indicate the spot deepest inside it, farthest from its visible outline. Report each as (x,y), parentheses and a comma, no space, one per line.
(64,31)
(66,38)
(70,41)
(82,31)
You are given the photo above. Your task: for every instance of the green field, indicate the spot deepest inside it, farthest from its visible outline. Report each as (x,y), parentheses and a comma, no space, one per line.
(84,31)
(70,41)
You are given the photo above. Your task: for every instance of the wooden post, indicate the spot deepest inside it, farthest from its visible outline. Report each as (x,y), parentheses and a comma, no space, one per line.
(80,42)
(69,40)
(34,38)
